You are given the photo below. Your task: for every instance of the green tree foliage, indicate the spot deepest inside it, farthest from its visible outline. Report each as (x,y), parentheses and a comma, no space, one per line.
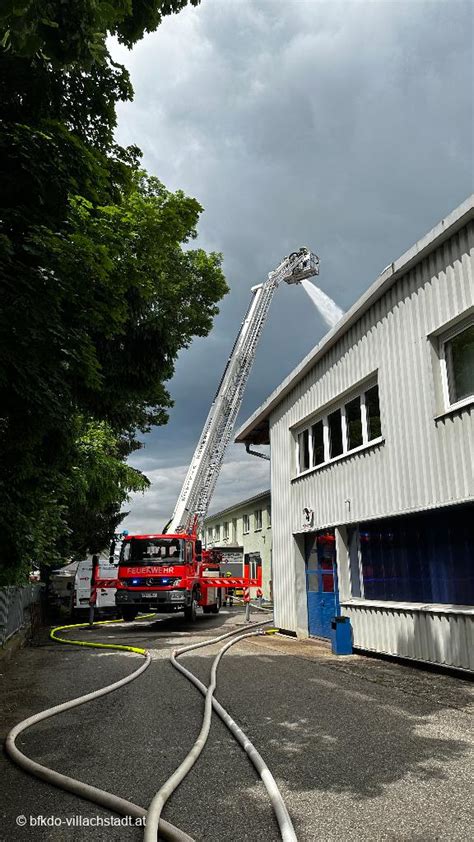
(75,31)
(99,483)
(99,286)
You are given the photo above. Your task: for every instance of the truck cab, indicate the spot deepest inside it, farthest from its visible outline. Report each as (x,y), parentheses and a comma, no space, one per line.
(164,573)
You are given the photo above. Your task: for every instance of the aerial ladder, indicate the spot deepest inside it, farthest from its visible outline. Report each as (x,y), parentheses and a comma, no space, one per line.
(191,576)
(198,487)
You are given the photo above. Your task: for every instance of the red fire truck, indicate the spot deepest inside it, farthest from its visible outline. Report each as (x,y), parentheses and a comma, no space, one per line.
(170,571)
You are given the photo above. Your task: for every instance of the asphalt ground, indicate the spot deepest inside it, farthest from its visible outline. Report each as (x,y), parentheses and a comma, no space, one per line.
(362,749)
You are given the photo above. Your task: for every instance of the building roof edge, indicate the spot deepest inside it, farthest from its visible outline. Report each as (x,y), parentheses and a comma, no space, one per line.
(448,226)
(239,505)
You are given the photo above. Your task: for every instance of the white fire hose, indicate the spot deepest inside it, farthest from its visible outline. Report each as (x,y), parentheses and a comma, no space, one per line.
(91,793)
(154,811)
(127,808)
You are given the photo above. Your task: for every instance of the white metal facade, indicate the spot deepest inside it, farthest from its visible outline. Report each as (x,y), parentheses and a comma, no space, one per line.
(426,457)
(437,635)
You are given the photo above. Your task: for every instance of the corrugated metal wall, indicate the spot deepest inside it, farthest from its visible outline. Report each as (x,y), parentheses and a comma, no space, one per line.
(423,462)
(15,605)
(443,637)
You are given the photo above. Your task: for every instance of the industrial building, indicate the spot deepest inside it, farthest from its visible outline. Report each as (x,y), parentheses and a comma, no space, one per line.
(372,446)
(243,532)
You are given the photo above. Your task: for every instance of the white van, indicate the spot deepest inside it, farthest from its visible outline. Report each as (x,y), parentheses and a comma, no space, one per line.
(82,586)
(61,587)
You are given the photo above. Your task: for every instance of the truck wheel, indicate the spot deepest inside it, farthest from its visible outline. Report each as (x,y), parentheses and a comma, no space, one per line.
(207,609)
(191,610)
(215,608)
(128,613)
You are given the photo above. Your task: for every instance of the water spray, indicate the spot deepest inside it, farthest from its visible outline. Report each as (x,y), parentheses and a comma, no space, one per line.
(327,308)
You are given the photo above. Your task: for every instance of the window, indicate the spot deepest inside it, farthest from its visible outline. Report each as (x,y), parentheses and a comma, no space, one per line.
(459,365)
(226,530)
(147,551)
(354,424)
(427,557)
(372,409)
(347,427)
(234,530)
(318,443)
(269,517)
(335,434)
(246,523)
(258,519)
(209,533)
(303,450)
(217,532)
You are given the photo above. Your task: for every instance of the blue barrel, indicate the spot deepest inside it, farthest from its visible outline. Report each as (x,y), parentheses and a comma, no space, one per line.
(341,636)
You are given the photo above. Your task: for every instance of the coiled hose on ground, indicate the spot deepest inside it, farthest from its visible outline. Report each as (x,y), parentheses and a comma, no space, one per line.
(91,793)
(154,811)
(154,821)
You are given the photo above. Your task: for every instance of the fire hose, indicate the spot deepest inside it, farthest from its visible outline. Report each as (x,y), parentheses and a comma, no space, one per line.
(252,604)
(154,821)
(154,811)
(91,793)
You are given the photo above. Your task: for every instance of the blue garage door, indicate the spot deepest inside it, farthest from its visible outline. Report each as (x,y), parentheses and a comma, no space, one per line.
(321,582)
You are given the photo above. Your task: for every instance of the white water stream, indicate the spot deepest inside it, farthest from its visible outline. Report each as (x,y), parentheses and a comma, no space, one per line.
(328,308)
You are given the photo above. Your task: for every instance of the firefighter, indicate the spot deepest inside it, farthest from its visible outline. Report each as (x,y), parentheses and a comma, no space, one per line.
(229,592)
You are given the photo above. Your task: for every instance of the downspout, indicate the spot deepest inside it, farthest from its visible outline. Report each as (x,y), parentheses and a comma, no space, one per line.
(256,453)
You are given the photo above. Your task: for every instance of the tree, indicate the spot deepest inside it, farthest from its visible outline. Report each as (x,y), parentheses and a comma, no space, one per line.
(77,510)
(100,289)
(75,32)
(99,483)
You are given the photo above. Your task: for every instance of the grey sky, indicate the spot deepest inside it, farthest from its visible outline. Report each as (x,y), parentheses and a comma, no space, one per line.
(346,127)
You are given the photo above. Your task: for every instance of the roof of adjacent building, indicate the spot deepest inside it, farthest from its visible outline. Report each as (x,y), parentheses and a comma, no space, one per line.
(256,429)
(239,505)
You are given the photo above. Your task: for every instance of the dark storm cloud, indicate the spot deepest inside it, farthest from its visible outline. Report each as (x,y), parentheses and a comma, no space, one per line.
(343,126)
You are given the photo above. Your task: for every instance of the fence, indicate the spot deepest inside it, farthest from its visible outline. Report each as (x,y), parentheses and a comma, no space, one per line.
(18,608)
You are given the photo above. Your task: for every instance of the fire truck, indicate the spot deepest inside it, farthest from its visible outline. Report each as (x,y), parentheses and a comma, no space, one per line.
(171,571)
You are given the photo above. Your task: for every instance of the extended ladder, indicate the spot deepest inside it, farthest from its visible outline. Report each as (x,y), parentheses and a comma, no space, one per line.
(198,487)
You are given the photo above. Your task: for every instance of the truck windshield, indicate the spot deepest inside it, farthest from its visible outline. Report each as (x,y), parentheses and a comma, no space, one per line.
(152,551)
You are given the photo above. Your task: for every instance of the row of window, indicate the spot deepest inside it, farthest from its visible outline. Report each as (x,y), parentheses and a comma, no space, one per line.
(229,529)
(356,422)
(349,426)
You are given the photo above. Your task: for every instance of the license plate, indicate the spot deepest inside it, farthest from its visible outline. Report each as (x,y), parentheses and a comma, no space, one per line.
(149,595)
